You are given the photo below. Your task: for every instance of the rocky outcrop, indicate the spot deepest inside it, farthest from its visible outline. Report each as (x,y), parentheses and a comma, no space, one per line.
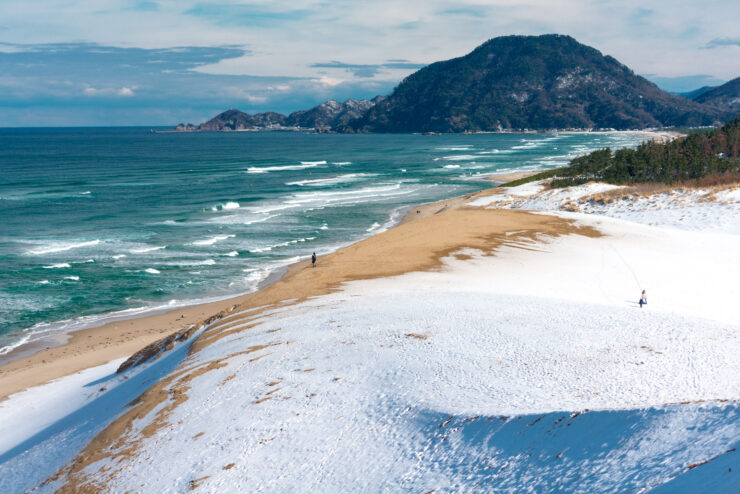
(332,113)
(323,117)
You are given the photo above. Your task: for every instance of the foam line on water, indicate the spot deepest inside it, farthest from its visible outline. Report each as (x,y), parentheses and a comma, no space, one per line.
(267,169)
(143,250)
(56,247)
(212,240)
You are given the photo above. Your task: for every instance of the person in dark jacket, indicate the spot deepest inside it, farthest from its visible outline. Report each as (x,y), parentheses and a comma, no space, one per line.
(313,259)
(643,299)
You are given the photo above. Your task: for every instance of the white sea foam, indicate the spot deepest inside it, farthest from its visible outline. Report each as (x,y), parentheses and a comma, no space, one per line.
(342,163)
(373,227)
(317,182)
(451,166)
(56,247)
(313,163)
(72,278)
(456,148)
(281,244)
(42,282)
(226,206)
(151,271)
(119,256)
(267,169)
(233,253)
(145,249)
(458,157)
(212,240)
(58,266)
(207,262)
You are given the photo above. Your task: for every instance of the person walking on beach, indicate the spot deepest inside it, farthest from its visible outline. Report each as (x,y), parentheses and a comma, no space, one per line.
(313,260)
(643,299)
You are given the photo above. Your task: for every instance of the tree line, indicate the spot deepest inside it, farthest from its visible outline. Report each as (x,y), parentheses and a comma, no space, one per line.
(693,157)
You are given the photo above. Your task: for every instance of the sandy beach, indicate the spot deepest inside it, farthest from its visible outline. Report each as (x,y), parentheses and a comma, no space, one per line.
(487,309)
(43,361)
(372,257)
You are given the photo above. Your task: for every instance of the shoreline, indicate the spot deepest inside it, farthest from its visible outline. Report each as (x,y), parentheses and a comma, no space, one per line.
(118,336)
(37,362)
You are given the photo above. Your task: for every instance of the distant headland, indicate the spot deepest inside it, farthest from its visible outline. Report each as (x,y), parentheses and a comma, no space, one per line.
(509,83)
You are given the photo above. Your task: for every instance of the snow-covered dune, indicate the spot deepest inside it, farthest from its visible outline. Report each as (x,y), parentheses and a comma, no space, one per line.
(529,369)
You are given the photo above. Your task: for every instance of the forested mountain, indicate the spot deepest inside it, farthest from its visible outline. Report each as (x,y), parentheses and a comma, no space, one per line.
(509,83)
(533,82)
(726,97)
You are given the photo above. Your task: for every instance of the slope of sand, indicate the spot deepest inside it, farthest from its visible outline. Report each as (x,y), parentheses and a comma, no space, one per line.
(472,352)
(392,252)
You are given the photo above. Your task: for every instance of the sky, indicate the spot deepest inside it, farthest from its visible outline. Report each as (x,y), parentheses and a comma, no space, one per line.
(133,62)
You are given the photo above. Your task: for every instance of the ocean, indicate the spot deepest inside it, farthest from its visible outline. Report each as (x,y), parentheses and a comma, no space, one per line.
(100,223)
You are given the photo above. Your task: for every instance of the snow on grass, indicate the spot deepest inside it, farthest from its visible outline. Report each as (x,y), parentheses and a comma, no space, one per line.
(685,209)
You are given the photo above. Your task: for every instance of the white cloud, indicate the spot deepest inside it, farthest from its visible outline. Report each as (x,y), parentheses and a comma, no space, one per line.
(109,91)
(329,81)
(664,37)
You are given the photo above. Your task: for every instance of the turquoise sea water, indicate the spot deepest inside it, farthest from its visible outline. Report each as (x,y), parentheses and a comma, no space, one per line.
(99,221)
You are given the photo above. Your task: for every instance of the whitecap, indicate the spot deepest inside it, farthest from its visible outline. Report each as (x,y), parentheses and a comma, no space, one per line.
(317,182)
(119,256)
(58,266)
(151,271)
(146,249)
(72,278)
(207,262)
(460,157)
(233,253)
(374,226)
(62,247)
(44,282)
(342,163)
(282,244)
(266,169)
(313,163)
(226,206)
(212,240)
(452,166)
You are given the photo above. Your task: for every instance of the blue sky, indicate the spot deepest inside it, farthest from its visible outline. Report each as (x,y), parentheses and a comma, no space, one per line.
(132,62)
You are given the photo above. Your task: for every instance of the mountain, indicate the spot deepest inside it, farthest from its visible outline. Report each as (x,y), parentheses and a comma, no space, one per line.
(238,120)
(321,117)
(692,95)
(533,82)
(332,113)
(725,97)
